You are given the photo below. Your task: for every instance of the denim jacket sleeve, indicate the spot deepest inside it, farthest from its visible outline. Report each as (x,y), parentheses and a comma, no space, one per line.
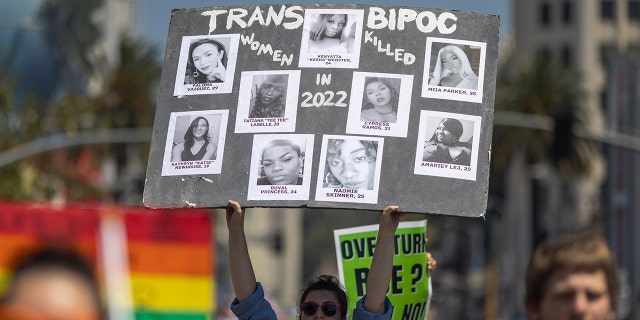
(254,308)
(361,313)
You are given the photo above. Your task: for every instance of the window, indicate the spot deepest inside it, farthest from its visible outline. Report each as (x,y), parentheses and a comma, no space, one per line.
(608,10)
(565,56)
(634,10)
(567,13)
(545,14)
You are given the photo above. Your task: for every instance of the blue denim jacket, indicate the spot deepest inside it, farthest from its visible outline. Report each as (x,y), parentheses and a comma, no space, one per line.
(258,308)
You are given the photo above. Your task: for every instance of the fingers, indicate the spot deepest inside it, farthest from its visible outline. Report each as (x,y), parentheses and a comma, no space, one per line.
(234,207)
(431,262)
(390,209)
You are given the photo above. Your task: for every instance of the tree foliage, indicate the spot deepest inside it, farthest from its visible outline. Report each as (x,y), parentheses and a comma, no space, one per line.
(542,89)
(75,174)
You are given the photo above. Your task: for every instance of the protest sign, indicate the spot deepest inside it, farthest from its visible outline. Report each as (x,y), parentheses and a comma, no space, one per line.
(325,106)
(410,287)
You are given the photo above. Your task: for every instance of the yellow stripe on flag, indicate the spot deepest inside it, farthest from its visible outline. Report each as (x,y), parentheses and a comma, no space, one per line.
(170,292)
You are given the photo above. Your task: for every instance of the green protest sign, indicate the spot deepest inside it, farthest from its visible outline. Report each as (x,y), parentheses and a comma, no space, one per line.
(409,290)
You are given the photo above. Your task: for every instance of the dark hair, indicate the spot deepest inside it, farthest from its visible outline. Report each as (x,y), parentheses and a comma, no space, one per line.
(329,283)
(54,258)
(282,143)
(189,139)
(201,78)
(395,97)
(452,125)
(586,251)
(276,80)
(334,149)
(317,30)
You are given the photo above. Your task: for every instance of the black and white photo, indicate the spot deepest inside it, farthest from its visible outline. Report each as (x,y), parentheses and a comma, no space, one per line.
(267,101)
(195,142)
(380,104)
(207,64)
(331,38)
(454,69)
(446,146)
(280,167)
(349,169)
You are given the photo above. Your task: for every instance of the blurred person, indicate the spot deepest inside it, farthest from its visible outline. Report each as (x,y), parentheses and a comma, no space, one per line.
(197,144)
(573,277)
(453,69)
(323,297)
(207,61)
(281,163)
(52,283)
(271,97)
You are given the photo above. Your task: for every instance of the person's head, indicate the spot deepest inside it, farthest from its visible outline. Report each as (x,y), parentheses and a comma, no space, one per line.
(272,90)
(324,295)
(378,92)
(281,162)
(351,163)
(448,132)
(452,60)
(573,277)
(205,54)
(52,283)
(198,130)
(328,26)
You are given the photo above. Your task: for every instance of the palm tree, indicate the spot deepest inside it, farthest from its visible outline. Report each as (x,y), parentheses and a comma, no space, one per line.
(542,91)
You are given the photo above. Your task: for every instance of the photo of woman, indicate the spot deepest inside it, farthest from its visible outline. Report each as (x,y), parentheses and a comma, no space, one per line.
(270,96)
(331,38)
(328,34)
(278,167)
(445,146)
(350,163)
(267,101)
(349,169)
(453,69)
(281,163)
(380,100)
(197,144)
(380,104)
(207,64)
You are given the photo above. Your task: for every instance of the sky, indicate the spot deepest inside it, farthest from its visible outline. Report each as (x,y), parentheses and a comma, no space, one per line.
(152,16)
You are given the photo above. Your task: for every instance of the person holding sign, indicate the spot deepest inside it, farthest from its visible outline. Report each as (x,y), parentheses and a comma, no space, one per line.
(380,101)
(281,163)
(453,69)
(327,35)
(573,277)
(197,145)
(321,297)
(351,163)
(445,146)
(270,98)
(208,62)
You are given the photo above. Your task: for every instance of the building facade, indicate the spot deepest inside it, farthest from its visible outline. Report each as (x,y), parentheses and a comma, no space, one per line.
(589,37)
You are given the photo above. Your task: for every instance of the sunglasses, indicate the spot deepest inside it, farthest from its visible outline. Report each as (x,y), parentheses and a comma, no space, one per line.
(328,308)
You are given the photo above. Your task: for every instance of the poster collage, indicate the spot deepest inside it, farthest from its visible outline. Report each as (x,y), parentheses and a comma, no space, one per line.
(379,105)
